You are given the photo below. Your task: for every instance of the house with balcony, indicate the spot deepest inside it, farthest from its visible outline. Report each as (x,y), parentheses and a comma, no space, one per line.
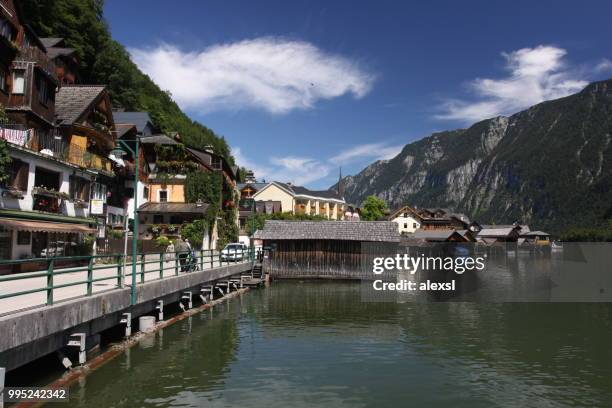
(166,209)
(300,200)
(86,136)
(27,75)
(412,219)
(44,203)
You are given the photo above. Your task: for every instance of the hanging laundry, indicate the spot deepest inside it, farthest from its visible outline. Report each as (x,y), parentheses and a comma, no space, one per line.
(15,136)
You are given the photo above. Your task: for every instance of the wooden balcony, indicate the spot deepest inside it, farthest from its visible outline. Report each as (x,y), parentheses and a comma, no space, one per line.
(35,55)
(54,145)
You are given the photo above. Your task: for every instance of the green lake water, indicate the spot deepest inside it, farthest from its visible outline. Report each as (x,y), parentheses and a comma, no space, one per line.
(316,344)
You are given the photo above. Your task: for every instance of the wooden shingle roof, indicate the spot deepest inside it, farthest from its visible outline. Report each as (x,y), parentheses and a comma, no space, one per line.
(71,101)
(366,231)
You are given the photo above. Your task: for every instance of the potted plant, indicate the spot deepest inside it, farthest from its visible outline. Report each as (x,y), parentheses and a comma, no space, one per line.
(14,193)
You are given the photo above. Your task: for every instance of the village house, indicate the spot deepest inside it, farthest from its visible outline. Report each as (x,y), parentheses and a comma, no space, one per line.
(44,204)
(166,208)
(65,60)
(131,126)
(410,219)
(300,200)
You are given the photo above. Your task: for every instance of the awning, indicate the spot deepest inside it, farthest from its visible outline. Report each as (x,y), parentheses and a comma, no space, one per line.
(26,225)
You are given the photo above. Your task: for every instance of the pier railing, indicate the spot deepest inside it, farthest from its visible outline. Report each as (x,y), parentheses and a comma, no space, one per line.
(100,273)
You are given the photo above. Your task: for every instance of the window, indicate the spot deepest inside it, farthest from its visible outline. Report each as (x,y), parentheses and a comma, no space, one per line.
(158,219)
(414,225)
(405,225)
(163,196)
(98,192)
(3,81)
(405,215)
(18,82)
(18,175)
(23,237)
(79,188)
(45,93)
(145,193)
(6,29)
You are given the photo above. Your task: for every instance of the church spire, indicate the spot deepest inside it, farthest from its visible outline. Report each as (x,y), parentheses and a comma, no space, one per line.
(340,184)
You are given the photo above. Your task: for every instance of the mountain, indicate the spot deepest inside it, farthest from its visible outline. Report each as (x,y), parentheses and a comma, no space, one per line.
(549,166)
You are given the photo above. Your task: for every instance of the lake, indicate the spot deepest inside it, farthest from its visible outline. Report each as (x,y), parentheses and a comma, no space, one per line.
(318,344)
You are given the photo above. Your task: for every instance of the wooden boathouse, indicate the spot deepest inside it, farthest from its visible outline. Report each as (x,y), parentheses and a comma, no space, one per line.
(325,249)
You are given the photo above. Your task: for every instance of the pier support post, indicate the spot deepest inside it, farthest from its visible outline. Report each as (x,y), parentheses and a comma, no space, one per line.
(204,292)
(160,310)
(187,298)
(78,340)
(127,320)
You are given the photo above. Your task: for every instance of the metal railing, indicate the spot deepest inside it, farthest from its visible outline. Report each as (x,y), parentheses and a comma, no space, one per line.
(54,144)
(52,281)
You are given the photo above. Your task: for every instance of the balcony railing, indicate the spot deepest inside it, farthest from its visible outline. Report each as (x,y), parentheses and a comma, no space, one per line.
(46,203)
(54,145)
(42,60)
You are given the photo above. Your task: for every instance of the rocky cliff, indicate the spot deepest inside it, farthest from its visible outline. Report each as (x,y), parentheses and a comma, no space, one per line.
(549,165)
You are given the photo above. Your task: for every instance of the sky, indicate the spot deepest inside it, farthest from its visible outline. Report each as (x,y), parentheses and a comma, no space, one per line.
(300,89)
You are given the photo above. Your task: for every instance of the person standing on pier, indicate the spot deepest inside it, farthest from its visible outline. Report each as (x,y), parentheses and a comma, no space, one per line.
(182,249)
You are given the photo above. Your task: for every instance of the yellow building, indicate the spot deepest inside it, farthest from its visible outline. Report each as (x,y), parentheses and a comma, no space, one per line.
(300,200)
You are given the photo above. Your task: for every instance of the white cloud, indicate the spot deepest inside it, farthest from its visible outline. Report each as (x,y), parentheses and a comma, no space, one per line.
(375,151)
(535,75)
(297,170)
(300,170)
(305,170)
(261,171)
(273,74)
(604,66)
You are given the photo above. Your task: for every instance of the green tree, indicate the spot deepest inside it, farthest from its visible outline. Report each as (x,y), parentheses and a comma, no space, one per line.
(257,221)
(195,232)
(5,158)
(373,208)
(103,60)
(204,186)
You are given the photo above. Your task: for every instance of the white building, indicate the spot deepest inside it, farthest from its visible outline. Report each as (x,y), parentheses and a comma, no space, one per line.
(407,222)
(44,206)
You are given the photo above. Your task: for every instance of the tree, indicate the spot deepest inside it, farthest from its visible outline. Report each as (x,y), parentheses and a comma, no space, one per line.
(203,185)
(5,158)
(373,208)
(103,60)
(195,232)
(257,221)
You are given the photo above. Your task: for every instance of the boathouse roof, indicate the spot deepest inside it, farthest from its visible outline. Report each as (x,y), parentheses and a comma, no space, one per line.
(365,231)
(496,232)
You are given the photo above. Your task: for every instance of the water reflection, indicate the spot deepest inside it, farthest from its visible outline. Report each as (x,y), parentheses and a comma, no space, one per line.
(317,344)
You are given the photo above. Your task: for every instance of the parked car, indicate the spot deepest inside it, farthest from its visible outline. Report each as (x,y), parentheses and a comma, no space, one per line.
(234,252)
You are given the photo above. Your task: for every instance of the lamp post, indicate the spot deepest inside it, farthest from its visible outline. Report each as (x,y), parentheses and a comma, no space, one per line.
(123,148)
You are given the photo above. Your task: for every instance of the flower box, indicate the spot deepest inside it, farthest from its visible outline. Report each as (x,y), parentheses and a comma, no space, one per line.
(47,192)
(14,193)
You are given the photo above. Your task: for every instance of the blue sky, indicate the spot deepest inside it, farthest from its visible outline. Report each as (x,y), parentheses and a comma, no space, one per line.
(300,88)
